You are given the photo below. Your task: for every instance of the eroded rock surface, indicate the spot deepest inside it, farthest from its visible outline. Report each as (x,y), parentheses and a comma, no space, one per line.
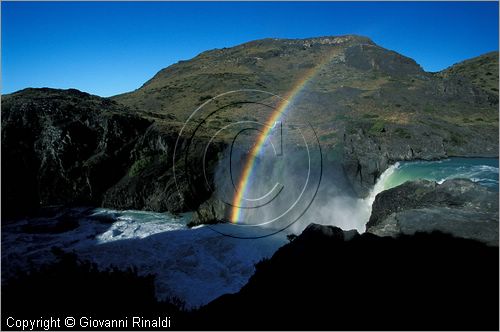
(459,207)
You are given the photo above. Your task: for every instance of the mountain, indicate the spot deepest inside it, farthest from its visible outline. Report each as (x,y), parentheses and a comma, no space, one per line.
(370,107)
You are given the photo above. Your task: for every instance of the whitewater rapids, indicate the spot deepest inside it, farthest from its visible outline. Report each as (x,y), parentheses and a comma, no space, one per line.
(198,265)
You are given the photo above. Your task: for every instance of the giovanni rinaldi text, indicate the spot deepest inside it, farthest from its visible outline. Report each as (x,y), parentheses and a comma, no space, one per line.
(51,323)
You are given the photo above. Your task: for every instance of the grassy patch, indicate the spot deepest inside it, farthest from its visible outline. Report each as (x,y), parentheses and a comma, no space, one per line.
(456,139)
(429,109)
(377,127)
(139,165)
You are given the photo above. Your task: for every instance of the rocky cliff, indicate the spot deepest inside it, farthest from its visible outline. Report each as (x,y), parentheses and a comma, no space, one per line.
(66,147)
(63,147)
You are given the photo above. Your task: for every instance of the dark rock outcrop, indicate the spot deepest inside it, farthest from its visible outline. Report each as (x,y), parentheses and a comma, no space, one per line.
(151,184)
(63,147)
(459,207)
(210,212)
(66,147)
(327,279)
(366,56)
(368,154)
(71,287)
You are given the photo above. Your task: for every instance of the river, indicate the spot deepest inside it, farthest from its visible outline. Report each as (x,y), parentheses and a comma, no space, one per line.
(198,265)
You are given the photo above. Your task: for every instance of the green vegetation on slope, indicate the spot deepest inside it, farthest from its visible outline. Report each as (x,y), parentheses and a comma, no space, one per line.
(482,71)
(356,81)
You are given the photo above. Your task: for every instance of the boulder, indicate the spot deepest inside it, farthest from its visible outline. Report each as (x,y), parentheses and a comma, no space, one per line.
(459,207)
(211,211)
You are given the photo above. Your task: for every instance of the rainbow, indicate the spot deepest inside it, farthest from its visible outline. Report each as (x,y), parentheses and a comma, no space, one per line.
(261,139)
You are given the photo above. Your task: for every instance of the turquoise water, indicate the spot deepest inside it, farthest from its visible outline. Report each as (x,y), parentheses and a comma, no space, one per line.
(481,170)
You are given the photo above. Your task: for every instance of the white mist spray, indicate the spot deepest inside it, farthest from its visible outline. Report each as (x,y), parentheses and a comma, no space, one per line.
(334,204)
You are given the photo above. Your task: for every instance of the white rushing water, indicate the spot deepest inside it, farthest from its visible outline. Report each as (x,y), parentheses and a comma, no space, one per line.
(195,265)
(381,185)
(198,265)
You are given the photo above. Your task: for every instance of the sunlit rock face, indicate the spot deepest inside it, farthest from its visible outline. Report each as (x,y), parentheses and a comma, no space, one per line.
(458,207)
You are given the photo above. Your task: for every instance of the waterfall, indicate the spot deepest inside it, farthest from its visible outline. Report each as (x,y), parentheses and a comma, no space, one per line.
(333,205)
(381,184)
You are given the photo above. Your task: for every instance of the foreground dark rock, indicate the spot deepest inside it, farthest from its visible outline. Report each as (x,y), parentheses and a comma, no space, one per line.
(79,289)
(327,279)
(459,207)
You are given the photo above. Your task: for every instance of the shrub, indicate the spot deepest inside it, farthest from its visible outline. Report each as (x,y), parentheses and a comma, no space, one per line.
(428,109)
(378,127)
(456,139)
(203,98)
(139,165)
(403,133)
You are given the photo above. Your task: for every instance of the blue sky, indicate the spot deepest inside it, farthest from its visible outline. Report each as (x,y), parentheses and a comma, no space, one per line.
(107,48)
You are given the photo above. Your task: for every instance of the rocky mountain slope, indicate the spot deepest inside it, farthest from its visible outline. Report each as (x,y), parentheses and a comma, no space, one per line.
(370,106)
(482,71)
